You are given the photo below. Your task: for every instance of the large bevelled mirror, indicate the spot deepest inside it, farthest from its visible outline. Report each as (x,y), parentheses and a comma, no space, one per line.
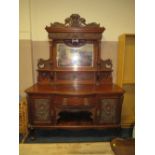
(68,56)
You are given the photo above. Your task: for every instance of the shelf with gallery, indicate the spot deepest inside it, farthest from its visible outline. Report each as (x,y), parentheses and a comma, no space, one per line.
(100,71)
(126,77)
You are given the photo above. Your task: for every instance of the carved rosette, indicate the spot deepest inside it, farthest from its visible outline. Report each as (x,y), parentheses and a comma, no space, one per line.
(108,111)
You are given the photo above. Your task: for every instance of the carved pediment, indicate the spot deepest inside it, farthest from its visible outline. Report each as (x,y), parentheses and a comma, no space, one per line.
(75,27)
(75,21)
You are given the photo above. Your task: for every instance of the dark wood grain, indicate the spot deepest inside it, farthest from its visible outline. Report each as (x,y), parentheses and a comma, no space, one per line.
(75,98)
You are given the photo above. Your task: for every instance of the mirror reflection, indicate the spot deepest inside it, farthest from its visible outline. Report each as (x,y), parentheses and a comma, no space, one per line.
(75,56)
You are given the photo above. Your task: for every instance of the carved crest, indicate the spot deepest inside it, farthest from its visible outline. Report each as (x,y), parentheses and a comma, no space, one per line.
(75,21)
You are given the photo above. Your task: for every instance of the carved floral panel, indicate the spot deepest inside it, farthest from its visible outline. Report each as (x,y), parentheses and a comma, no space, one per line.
(108,111)
(42,108)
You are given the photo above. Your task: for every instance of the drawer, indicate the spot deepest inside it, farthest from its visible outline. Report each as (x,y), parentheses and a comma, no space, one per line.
(75,101)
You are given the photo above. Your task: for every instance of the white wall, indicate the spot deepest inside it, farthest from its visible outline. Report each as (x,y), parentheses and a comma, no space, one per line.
(25,47)
(24,20)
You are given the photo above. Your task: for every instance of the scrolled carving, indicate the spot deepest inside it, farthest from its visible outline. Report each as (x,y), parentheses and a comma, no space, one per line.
(57,24)
(93,24)
(44,64)
(75,21)
(105,64)
(75,42)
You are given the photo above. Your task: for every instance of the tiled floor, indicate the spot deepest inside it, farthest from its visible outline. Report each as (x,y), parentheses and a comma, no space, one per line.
(98,148)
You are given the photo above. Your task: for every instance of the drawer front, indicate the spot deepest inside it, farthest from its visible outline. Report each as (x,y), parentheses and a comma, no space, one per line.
(75,101)
(110,111)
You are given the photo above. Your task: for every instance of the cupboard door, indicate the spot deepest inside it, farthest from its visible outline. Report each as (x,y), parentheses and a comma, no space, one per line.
(109,111)
(41,111)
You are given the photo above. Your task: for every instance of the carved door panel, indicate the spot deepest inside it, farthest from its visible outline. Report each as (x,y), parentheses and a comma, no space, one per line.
(41,111)
(110,110)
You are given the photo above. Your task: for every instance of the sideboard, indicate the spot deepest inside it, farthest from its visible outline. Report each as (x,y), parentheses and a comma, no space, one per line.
(74,88)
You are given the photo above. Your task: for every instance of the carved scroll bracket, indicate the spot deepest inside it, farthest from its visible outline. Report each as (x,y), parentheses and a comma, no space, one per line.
(105,64)
(44,64)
